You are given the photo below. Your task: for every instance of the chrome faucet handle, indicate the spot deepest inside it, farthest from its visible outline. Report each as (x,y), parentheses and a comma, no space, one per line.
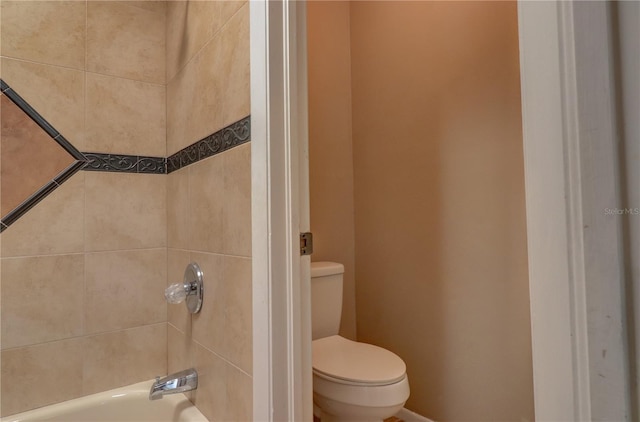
(191,289)
(177,292)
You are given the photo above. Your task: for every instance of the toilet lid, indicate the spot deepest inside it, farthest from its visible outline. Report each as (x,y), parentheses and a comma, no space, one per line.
(343,359)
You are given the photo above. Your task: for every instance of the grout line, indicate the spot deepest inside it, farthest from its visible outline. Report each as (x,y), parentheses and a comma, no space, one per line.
(155,248)
(41,256)
(81,70)
(230,255)
(86,34)
(190,227)
(221,357)
(125,78)
(197,53)
(85,70)
(18,59)
(169,324)
(83,336)
(84,189)
(178,249)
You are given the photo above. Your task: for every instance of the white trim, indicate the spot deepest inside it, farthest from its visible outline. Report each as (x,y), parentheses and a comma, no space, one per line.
(602,250)
(555,392)
(304,215)
(408,416)
(575,255)
(281,386)
(260,202)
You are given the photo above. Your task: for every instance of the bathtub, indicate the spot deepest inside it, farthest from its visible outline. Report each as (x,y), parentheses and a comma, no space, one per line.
(125,404)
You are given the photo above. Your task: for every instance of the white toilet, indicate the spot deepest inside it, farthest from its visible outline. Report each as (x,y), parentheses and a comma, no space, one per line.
(351,381)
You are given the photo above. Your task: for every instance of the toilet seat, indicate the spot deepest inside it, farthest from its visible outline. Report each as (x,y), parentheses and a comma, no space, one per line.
(344,361)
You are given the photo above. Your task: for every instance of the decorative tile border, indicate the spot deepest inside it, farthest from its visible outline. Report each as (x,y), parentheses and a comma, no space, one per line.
(63,176)
(233,135)
(125,163)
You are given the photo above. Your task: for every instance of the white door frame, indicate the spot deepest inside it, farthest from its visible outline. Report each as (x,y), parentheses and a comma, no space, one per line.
(282,382)
(571,170)
(576,279)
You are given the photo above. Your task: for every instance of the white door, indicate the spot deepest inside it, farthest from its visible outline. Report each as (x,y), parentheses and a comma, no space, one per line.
(576,251)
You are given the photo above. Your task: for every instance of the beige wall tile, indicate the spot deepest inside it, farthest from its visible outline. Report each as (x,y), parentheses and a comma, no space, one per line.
(181,100)
(212,90)
(42,299)
(40,375)
(234,68)
(194,99)
(51,32)
(127,39)
(238,312)
(208,325)
(179,39)
(239,394)
(236,226)
(55,225)
(1,35)
(190,24)
(125,116)
(125,289)
(123,357)
(227,9)
(211,396)
(206,202)
(179,350)
(178,209)
(178,315)
(125,211)
(38,84)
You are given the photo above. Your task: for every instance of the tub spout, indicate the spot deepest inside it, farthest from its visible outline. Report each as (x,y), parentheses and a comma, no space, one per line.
(179,382)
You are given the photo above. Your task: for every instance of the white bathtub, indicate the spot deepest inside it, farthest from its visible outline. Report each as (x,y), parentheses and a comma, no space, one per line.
(126,404)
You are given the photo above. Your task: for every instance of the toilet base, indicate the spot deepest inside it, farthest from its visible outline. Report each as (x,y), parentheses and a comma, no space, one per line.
(330,418)
(334,411)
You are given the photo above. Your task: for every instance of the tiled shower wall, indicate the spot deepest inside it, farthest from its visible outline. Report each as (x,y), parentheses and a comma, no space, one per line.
(209,202)
(94,255)
(83,272)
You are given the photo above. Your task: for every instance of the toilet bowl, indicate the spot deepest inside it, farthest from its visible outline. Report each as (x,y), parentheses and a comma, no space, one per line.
(352,381)
(356,381)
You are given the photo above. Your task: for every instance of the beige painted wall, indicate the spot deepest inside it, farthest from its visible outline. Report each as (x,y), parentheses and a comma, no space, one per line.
(331,159)
(440,250)
(209,203)
(92,251)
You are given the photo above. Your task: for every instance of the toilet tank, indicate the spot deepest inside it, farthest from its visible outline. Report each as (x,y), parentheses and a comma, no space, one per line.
(326,298)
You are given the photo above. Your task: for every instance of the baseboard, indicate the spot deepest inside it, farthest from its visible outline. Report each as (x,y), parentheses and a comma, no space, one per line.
(408,416)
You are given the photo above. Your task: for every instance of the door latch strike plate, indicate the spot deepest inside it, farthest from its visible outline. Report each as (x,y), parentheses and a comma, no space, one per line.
(306,243)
